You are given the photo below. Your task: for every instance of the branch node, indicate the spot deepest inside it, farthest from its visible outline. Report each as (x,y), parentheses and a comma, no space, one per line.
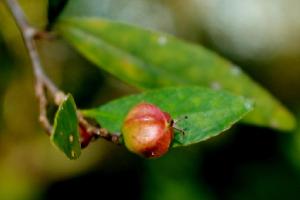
(59,97)
(30,32)
(43,83)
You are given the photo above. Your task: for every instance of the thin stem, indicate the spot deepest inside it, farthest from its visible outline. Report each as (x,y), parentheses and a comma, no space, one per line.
(28,32)
(43,83)
(97,132)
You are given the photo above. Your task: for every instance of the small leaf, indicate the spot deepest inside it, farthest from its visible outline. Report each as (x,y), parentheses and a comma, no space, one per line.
(150,60)
(65,130)
(209,112)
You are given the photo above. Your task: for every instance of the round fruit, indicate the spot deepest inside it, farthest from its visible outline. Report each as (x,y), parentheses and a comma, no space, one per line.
(85,137)
(147,130)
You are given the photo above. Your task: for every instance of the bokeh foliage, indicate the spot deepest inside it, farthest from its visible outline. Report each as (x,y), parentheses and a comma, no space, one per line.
(246,162)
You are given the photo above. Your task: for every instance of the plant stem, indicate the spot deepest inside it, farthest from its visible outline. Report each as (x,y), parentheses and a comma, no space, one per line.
(43,83)
(29,33)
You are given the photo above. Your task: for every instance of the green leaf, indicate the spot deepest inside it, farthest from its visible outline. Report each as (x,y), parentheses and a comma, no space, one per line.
(209,112)
(65,130)
(148,60)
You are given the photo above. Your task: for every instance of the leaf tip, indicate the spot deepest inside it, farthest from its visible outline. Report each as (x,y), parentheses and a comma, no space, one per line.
(65,133)
(283,120)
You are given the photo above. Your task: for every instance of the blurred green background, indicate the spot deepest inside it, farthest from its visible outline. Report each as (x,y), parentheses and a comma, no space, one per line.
(262,36)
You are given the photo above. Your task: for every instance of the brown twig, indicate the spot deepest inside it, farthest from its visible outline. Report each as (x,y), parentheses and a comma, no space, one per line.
(43,83)
(97,132)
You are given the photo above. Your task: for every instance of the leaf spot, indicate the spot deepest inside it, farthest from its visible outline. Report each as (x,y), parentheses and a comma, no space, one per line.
(235,71)
(72,153)
(248,104)
(162,40)
(215,85)
(71,138)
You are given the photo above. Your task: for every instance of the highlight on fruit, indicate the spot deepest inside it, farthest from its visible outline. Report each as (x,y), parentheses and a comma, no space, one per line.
(147,130)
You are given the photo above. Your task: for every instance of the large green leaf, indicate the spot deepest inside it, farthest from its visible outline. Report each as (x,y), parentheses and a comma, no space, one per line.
(209,112)
(65,133)
(149,60)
